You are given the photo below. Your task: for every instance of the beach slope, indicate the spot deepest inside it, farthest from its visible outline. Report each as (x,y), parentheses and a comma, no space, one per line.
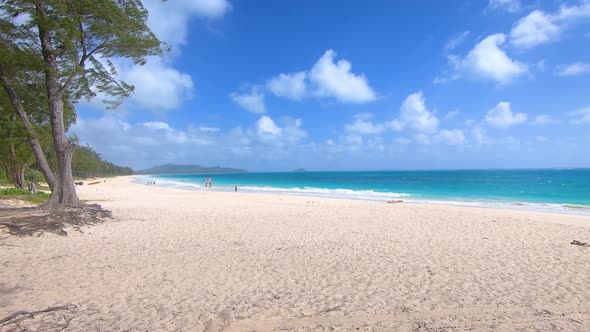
(181,260)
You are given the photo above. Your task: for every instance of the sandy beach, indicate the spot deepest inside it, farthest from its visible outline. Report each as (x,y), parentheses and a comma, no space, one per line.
(181,260)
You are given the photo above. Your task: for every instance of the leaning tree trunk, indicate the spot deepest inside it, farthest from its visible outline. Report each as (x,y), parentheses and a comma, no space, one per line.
(33,140)
(64,195)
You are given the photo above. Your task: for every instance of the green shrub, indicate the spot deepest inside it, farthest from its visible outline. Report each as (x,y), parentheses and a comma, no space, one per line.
(33,175)
(39,197)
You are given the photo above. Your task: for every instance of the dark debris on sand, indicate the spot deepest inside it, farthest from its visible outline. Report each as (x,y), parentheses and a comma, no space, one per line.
(34,221)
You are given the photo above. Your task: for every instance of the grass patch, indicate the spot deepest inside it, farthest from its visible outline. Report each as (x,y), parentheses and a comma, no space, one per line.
(24,195)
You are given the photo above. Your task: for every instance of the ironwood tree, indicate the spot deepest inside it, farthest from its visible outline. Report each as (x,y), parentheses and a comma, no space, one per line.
(72,42)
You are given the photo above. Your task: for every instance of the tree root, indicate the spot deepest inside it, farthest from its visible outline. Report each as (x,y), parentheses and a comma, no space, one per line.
(21,315)
(36,221)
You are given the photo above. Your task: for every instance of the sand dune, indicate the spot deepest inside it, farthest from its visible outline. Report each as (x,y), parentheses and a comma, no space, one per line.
(180,260)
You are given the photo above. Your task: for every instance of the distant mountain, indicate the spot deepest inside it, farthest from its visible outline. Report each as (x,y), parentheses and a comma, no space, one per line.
(299,170)
(187,169)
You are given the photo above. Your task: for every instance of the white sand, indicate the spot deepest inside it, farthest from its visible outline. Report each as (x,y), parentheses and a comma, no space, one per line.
(182,260)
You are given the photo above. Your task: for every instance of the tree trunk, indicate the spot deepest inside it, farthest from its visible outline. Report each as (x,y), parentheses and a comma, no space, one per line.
(64,195)
(16,174)
(18,177)
(33,140)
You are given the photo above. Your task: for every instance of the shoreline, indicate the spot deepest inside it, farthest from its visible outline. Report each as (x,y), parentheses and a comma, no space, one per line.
(553,208)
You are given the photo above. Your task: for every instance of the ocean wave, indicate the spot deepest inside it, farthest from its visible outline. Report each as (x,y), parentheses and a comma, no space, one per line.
(325,192)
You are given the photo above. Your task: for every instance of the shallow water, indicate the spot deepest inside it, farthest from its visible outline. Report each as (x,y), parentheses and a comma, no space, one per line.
(543,189)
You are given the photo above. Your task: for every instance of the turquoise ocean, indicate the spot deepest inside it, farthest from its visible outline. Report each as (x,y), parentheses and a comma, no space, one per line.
(559,190)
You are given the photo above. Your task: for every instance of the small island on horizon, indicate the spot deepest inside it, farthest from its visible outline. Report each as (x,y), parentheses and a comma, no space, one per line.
(299,170)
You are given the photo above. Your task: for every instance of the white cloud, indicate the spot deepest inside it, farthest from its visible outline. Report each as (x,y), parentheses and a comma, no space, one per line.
(266,126)
(363,126)
(336,80)
(252,101)
(501,116)
(541,139)
(157,85)
(415,115)
(170,19)
(456,41)
(488,61)
(534,29)
(146,144)
(544,119)
(451,137)
(573,69)
(581,116)
(540,27)
(292,86)
(511,6)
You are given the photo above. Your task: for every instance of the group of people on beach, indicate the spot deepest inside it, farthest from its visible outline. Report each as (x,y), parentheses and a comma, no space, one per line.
(209,184)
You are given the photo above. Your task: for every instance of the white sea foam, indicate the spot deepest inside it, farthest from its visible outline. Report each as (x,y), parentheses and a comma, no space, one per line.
(324,192)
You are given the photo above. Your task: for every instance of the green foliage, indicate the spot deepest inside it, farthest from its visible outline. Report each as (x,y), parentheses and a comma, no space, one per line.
(87,163)
(33,175)
(85,36)
(13,193)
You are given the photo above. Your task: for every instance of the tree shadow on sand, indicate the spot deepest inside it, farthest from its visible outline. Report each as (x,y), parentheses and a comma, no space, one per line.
(34,221)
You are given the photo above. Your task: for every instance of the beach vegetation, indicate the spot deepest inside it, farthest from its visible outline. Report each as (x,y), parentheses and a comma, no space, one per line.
(62,54)
(24,195)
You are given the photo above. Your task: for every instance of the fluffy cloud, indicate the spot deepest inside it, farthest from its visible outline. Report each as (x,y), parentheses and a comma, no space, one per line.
(292,86)
(169,19)
(534,29)
(266,126)
(335,79)
(488,61)
(511,6)
(157,85)
(501,116)
(540,27)
(252,101)
(581,116)
(573,69)
(326,78)
(415,115)
(363,126)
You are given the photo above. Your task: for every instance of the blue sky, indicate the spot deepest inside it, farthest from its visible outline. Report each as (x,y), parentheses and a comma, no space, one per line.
(326,85)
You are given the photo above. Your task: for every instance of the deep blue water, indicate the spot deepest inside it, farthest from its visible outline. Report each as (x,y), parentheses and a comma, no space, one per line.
(544,187)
